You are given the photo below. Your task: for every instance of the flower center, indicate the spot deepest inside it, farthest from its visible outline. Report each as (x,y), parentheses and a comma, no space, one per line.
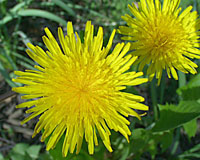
(164,35)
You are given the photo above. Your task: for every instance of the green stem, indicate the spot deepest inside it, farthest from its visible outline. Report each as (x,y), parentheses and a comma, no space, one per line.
(176,143)
(182,82)
(162,88)
(182,79)
(154,98)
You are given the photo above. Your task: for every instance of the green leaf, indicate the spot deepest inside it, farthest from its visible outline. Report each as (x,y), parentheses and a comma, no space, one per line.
(194,82)
(188,94)
(82,156)
(143,141)
(15,156)
(42,14)
(191,91)
(125,153)
(1,157)
(166,139)
(33,151)
(45,156)
(190,128)
(20,148)
(172,116)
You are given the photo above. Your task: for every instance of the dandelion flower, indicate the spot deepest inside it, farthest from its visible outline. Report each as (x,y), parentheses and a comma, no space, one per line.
(77,89)
(162,37)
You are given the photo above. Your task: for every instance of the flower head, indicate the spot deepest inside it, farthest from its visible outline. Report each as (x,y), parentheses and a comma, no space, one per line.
(162,37)
(76,89)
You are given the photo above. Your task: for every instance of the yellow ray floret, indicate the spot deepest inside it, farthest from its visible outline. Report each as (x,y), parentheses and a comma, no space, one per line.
(162,37)
(76,89)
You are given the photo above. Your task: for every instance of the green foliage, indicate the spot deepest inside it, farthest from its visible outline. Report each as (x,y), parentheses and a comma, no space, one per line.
(193,153)
(172,116)
(43,14)
(23,151)
(191,91)
(191,128)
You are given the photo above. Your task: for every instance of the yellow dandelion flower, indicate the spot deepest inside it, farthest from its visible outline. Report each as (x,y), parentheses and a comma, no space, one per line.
(162,37)
(76,89)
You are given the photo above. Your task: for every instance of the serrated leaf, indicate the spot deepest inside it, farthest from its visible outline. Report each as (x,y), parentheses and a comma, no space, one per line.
(172,116)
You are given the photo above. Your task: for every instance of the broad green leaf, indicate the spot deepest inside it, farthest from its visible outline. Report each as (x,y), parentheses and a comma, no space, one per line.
(194,82)
(33,151)
(42,14)
(190,128)
(45,156)
(20,148)
(1,157)
(189,94)
(172,116)
(191,91)
(15,156)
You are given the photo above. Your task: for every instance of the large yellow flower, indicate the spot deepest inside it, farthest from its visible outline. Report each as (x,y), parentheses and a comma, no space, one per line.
(76,89)
(162,37)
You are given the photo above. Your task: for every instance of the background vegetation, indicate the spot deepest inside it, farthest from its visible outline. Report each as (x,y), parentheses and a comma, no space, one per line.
(170,130)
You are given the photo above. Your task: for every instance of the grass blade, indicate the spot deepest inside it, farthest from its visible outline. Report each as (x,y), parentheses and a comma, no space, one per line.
(6,76)
(42,14)
(65,7)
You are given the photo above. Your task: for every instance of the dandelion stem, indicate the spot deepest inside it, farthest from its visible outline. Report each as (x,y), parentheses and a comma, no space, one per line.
(162,88)
(182,82)
(154,98)
(182,79)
